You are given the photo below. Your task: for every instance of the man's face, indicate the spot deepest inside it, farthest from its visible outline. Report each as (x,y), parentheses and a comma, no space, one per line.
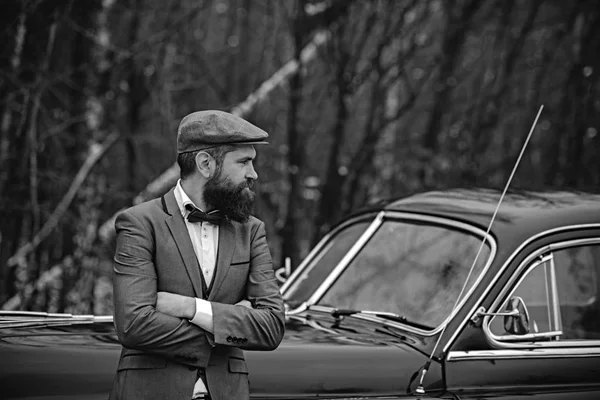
(230,189)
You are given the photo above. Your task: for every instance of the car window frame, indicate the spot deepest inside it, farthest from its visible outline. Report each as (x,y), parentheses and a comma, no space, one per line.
(308,262)
(418,217)
(522,270)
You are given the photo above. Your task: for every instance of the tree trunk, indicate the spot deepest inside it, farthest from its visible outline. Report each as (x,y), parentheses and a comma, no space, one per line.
(18,35)
(289,233)
(96,152)
(577,106)
(457,27)
(330,200)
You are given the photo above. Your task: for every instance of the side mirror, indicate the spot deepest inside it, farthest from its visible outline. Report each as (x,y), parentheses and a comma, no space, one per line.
(516,316)
(517,323)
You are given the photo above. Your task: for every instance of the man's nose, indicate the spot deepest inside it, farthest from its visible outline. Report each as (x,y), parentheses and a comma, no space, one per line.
(251,173)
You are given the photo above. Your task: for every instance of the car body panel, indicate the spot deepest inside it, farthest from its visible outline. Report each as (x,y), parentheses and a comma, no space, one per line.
(548,375)
(58,362)
(318,357)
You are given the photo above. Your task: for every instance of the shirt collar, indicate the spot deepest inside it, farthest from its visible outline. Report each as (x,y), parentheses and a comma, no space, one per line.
(182,199)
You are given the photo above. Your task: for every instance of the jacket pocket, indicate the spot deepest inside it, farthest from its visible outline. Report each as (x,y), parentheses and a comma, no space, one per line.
(141,361)
(236,263)
(237,365)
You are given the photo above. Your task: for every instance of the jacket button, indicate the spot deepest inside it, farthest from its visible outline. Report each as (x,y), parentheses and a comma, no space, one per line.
(229,338)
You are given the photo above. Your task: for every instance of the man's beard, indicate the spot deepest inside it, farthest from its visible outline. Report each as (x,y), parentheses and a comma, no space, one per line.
(234,201)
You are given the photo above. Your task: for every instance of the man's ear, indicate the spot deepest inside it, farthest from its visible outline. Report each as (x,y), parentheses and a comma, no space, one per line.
(205,163)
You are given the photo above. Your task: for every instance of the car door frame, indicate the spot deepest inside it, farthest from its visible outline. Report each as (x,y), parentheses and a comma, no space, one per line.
(509,371)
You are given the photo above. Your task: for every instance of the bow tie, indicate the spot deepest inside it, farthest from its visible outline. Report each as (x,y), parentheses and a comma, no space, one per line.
(196,215)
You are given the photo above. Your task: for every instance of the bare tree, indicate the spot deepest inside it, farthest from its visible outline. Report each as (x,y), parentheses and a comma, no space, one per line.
(458,19)
(365,63)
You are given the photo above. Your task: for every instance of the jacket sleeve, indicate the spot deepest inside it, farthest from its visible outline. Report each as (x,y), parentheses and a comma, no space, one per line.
(138,324)
(262,327)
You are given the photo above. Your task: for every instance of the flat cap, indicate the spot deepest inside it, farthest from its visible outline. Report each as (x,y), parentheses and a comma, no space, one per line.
(205,129)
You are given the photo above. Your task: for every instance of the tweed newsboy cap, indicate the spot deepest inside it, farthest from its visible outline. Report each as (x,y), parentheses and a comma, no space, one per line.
(205,129)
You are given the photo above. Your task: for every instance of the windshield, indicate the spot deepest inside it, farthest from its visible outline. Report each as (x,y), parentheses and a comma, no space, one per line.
(334,248)
(411,269)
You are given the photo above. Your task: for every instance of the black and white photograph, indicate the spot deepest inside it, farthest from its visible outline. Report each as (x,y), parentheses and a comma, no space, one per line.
(299,199)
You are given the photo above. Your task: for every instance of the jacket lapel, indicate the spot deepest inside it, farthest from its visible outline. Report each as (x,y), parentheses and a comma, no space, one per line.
(224,256)
(180,234)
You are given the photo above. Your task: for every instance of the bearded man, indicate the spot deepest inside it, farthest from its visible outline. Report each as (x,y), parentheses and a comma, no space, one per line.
(193,278)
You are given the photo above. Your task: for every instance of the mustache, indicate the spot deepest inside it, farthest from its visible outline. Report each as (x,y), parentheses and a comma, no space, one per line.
(248,184)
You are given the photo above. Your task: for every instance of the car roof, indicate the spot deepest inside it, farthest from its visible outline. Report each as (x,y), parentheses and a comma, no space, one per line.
(521,215)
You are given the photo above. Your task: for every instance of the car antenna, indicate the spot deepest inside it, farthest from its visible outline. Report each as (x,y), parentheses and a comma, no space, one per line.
(420,390)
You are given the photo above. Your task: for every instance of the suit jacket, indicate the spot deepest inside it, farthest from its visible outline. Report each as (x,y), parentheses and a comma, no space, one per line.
(161,353)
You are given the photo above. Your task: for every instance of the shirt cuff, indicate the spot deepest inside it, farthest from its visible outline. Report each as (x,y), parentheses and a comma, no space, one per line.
(204,316)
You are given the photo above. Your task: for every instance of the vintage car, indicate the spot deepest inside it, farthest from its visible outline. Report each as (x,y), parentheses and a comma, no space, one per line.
(413,298)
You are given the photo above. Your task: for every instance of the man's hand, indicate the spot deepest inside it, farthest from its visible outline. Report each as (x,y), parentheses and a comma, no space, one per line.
(176,305)
(180,306)
(244,303)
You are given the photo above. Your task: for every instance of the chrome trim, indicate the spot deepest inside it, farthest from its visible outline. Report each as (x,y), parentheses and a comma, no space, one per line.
(15,319)
(10,313)
(324,309)
(291,280)
(533,264)
(103,318)
(531,336)
(302,307)
(481,312)
(554,309)
(410,217)
(454,356)
(341,265)
(504,266)
(514,282)
(12,316)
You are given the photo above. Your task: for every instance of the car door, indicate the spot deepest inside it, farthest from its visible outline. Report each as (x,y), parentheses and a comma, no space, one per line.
(551,347)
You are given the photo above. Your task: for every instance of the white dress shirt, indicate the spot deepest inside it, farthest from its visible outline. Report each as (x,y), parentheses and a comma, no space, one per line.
(204,236)
(205,240)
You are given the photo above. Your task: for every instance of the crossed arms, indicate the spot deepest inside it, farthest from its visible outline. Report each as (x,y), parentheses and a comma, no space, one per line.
(158,323)
(197,311)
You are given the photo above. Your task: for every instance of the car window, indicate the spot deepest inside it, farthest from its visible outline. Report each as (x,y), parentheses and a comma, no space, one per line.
(409,268)
(577,274)
(324,262)
(561,294)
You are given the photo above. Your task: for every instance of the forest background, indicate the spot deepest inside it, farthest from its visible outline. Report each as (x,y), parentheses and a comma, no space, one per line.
(363,100)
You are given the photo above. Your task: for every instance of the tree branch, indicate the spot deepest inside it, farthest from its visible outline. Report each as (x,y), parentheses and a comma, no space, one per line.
(15,62)
(96,152)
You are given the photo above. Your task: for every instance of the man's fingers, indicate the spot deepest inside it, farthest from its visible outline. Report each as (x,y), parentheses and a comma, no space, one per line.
(244,303)
(169,303)
(162,296)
